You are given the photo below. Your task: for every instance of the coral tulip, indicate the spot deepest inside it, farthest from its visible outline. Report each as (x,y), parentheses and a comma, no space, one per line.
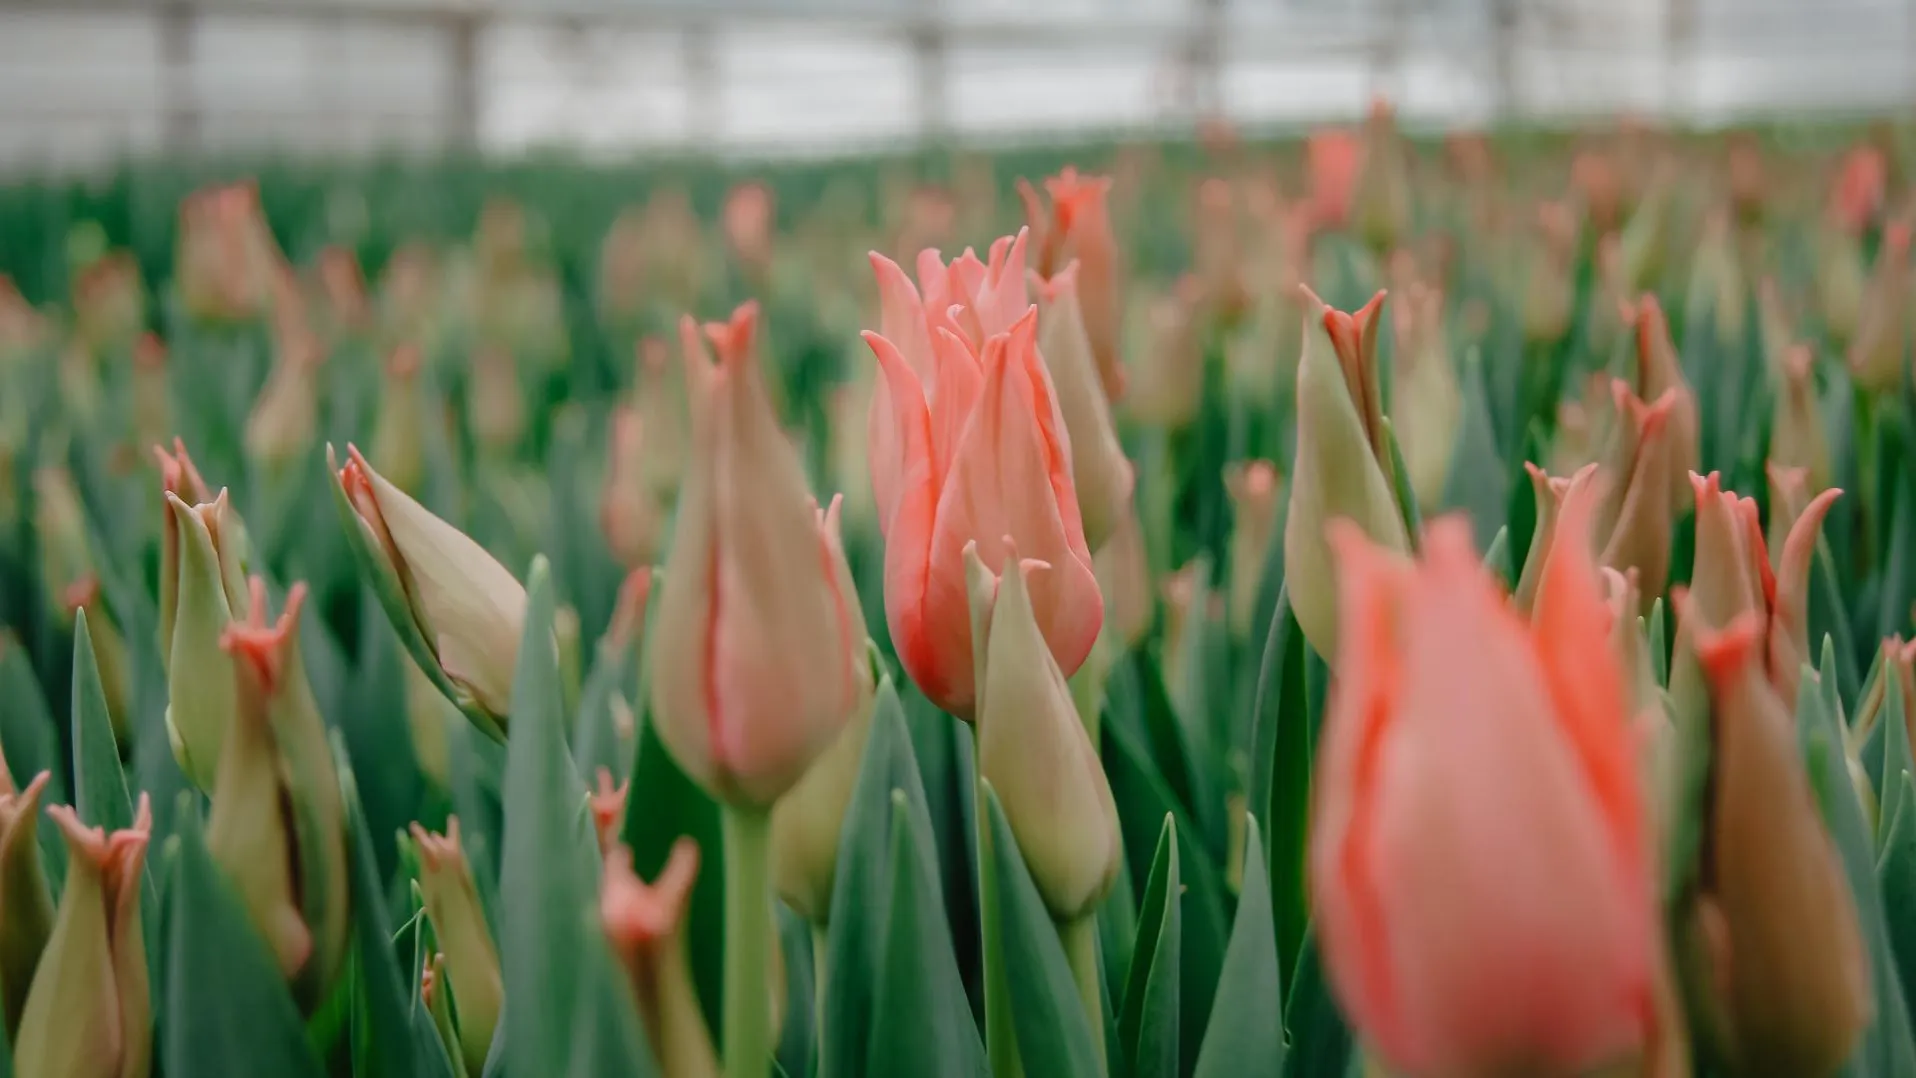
(1478,858)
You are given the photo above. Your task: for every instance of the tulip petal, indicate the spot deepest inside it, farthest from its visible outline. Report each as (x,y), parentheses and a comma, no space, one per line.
(901,316)
(1789,630)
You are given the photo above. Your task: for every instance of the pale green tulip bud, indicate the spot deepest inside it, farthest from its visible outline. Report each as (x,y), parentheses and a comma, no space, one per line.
(459,923)
(26,905)
(1033,748)
(89,1013)
(278,820)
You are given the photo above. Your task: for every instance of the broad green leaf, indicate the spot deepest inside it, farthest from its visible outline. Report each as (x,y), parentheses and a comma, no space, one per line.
(664,805)
(1896,872)
(99,783)
(391,1044)
(920,1024)
(28,735)
(1887,1047)
(377,725)
(228,1011)
(1400,486)
(1054,1036)
(1149,1023)
(1243,1041)
(797,1044)
(1320,1043)
(1282,746)
(862,909)
(608,1038)
(549,866)
(944,751)
(1896,754)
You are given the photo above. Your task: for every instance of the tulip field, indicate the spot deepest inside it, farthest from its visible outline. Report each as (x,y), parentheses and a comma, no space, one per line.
(1340,606)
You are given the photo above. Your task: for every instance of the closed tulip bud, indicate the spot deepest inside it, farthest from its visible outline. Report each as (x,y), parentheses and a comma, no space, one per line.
(89,1013)
(1548,493)
(1169,389)
(758,642)
(1797,437)
(278,824)
(1504,743)
(1099,469)
(152,411)
(645,924)
(1079,228)
(1789,988)
(464,606)
(806,822)
(1733,576)
(1898,661)
(1634,515)
(1427,406)
(1255,490)
(1342,468)
(398,445)
(1383,187)
(495,402)
(1882,326)
(459,924)
(969,442)
(629,513)
(1033,749)
(1124,581)
(26,905)
(201,593)
(285,417)
(1655,373)
(607,804)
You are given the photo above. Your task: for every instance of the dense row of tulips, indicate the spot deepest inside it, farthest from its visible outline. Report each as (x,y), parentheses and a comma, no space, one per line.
(1082,672)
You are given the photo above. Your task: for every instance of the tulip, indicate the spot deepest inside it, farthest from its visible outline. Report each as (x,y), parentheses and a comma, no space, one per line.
(1548,493)
(1716,285)
(607,804)
(645,924)
(629,515)
(1343,466)
(398,446)
(89,1014)
(496,401)
(1876,353)
(441,590)
(459,924)
(1898,663)
(1459,742)
(807,821)
(1656,372)
(1634,516)
(343,285)
(152,410)
(285,416)
(1842,281)
(1733,576)
(1254,488)
(1124,583)
(26,906)
(1333,157)
(968,441)
(660,396)
(278,823)
(1427,407)
(1383,188)
(1033,749)
(1099,470)
(1169,390)
(1789,987)
(747,221)
(756,661)
(1797,436)
(1079,228)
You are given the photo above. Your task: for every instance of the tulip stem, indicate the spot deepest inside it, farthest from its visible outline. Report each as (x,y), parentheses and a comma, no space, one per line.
(1080,939)
(821,942)
(748,939)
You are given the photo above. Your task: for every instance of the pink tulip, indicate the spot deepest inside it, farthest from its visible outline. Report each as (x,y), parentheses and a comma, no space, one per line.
(968,444)
(1478,859)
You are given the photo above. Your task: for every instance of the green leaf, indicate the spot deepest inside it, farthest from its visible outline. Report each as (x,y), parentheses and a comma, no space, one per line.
(1896,753)
(1148,1024)
(1243,1041)
(1896,873)
(1887,1047)
(608,687)
(1479,483)
(1400,486)
(920,1024)
(228,1011)
(1497,557)
(608,1038)
(862,911)
(99,783)
(27,730)
(666,804)
(549,865)
(1282,741)
(1659,645)
(1054,1035)
(392,1045)
(1320,1042)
